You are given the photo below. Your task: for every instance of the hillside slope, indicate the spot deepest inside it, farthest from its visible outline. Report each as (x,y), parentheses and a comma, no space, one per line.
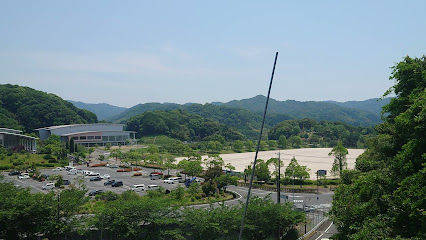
(103,111)
(314,110)
(27,109)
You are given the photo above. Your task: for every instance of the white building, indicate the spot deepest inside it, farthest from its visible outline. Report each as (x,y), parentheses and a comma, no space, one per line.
(90,135)
(14,139)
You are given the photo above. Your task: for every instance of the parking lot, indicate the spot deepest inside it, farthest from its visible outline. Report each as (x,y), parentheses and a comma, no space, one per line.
(126,177)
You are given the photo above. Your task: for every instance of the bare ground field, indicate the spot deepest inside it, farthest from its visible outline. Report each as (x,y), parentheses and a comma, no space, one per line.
(314,158)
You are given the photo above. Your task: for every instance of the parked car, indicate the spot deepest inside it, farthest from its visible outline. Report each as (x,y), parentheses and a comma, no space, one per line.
(172,180)
(154,176)
(95,192)
(72,172)
(48,186)
(109,182)
(14,173)
(152,187)
(91,174)
(97,178)
(24,176)
(67,182)
(138,187)
(58,169)
(117,184)
(106,176)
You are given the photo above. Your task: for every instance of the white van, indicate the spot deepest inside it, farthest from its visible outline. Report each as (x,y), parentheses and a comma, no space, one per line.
(138,187)
(48,186)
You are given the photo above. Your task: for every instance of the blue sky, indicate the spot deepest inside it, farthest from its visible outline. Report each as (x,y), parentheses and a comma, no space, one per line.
(129,52)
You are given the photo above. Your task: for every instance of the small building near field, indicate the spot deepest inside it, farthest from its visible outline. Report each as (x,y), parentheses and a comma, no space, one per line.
(90,135)
(15,140)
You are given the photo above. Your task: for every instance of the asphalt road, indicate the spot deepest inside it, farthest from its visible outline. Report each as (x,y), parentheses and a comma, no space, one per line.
(127,178)
(327,230)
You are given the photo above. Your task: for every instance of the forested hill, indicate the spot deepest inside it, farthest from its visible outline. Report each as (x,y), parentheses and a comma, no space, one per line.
(181,125)
(243,120)
(373,105)
(103,111)
(27,109)
(141,108)
(314,110)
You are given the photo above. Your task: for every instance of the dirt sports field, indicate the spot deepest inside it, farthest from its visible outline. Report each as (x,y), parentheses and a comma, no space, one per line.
(314,158)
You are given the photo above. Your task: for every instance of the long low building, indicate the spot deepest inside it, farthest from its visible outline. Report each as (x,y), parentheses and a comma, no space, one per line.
(90,135)
(15,140)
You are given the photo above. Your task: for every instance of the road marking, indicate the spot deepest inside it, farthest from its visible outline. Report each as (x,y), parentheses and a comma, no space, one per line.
(324,231)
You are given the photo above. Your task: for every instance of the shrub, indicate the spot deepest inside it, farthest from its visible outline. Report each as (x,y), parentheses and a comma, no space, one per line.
(99,165)
(137,169)
(124,170)
(5,167)
(137,174)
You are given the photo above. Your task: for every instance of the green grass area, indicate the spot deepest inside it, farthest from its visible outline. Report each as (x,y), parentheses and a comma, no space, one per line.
(22,161)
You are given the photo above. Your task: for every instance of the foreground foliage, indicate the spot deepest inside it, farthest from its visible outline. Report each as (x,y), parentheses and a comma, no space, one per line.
(24,215)
(385,197)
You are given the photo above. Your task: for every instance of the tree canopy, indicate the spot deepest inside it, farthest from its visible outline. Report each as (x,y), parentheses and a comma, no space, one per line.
(385,197)
(181,125)
(27,109)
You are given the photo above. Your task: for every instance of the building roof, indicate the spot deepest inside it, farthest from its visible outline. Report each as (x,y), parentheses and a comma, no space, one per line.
(69,134)
(76,125)
(16,134)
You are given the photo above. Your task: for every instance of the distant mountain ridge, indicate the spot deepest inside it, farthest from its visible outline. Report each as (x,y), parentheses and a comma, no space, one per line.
(103,111)
(357,113)
(354,113)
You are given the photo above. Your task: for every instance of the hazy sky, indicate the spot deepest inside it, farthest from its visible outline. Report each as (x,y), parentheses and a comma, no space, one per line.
(129,52)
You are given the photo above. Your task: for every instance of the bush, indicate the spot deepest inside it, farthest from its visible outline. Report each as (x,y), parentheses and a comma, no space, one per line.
(99,165)
(5,167)
(48,156)
(52,160)
(124,170)
(137,174)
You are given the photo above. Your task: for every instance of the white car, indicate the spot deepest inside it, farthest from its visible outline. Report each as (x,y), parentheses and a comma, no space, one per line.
(106,176)
(138,187)
(93,174)
(58,169)
(48,186)
(72,172)
(172,180)
(24,176)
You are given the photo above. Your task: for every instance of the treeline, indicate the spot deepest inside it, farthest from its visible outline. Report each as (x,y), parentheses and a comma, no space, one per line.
(245,121)
(156,215)
(308,132)
(27,109)
(385,196)
(180,125)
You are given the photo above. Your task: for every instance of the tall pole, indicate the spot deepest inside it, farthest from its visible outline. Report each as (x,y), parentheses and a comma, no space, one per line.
(257,151)
(279,179)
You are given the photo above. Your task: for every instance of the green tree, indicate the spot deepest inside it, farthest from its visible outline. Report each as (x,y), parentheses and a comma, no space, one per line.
(170,163)
(282,142)
(272,144)
(339,152)
(262,171)
(238,146)
(296,171)
(249,145)
(385,197)
(215,146)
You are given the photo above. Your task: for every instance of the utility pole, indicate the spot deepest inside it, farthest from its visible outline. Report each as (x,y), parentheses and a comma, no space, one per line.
(279,178)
